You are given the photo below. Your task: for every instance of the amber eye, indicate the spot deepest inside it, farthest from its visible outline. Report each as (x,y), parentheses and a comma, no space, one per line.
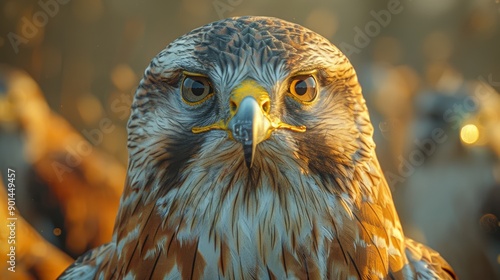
(303,88)
(196,89)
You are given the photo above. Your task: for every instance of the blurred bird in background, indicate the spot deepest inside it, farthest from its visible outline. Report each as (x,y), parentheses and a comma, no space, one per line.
(251,156)
(445,191)
(469,117)
(66,188)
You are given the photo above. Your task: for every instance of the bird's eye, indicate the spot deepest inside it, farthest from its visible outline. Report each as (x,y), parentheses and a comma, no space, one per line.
(303,88)
(196,89)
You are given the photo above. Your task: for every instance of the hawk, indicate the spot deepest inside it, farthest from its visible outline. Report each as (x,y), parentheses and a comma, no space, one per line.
(251,157)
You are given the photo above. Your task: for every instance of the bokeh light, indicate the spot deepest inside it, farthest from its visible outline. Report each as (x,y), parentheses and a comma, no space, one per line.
(469,134)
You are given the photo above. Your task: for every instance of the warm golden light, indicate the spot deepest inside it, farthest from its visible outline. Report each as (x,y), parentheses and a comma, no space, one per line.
(90,109)
(469,134)
(123,77)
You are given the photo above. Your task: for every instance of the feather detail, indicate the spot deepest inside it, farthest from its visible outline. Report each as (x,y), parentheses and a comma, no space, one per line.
(314,204)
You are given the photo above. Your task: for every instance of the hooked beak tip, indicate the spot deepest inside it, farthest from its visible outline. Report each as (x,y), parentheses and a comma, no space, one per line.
(249,126)
(248,151)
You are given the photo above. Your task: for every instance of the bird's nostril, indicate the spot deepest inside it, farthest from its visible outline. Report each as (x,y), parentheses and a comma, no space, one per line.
(266,106)
(233,106)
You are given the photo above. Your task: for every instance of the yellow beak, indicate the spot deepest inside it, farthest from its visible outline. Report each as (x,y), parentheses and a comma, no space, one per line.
(250,122)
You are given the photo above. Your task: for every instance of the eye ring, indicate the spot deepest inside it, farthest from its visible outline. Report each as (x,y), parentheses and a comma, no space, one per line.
(195,89)
(303,88)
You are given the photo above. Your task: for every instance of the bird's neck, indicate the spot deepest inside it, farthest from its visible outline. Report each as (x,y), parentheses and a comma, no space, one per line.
(227,216)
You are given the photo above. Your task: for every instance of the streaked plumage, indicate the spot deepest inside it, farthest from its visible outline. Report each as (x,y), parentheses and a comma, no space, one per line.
(302,197)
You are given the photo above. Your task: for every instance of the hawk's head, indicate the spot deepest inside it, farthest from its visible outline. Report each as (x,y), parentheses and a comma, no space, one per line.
(247,96)
(248,128)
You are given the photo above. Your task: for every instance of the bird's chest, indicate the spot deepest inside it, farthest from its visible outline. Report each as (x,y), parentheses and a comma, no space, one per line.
(252,235)
(241,246)
(236,234)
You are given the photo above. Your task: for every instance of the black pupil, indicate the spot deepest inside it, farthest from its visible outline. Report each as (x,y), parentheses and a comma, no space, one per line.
(197,88)
(301,87)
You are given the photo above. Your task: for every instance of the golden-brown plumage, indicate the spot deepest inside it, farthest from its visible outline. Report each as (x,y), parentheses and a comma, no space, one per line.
(282,182)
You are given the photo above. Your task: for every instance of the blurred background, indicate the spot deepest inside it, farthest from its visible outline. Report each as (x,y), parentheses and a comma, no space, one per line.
(430,72)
